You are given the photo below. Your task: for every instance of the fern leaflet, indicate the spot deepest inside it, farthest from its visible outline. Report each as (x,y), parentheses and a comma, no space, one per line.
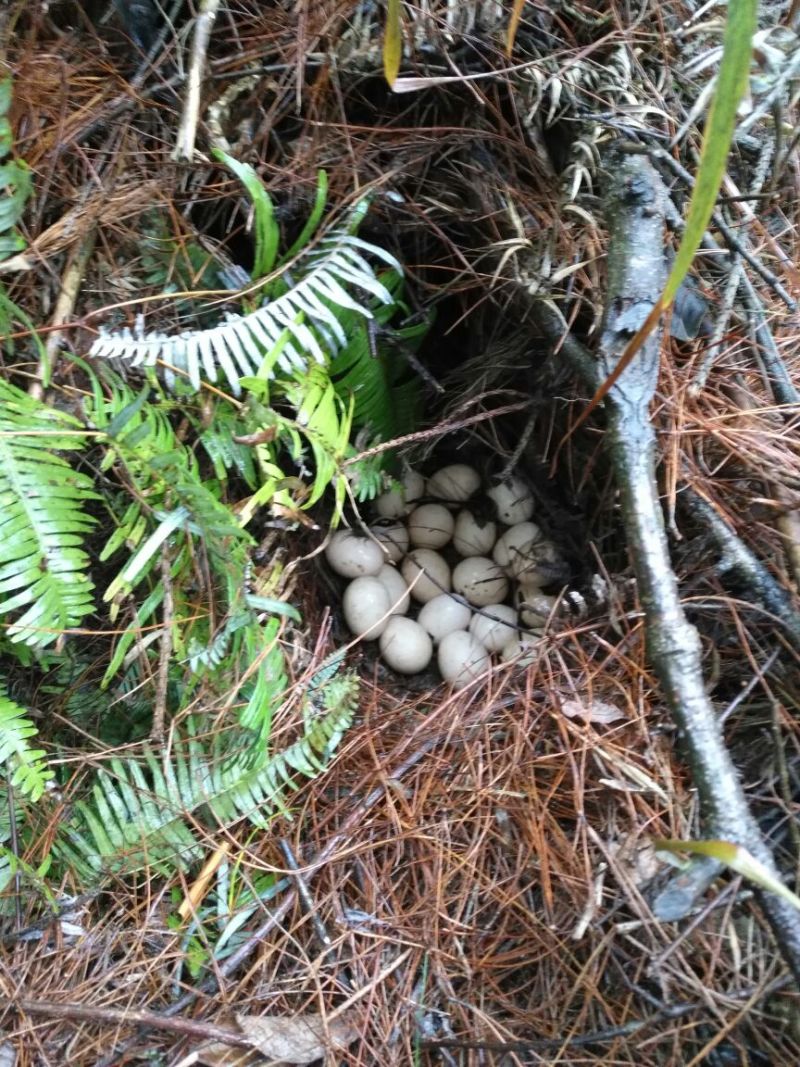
(42,520)
(27,766)
(279,329)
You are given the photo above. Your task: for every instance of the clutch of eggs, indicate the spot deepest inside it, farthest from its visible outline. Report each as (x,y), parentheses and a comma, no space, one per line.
(438,575)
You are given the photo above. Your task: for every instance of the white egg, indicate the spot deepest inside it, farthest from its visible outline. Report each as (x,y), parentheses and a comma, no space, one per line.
(396,588)
(366,607)
(405,646)
(426,573)
(461,657)
(352,555)
(534,606)
(495,627)
(394,538)
(457,482)
(444,614)
(513,500)
(430,526)
(514,550)
(480,581)
(525,649)
(398,502)
(473,536)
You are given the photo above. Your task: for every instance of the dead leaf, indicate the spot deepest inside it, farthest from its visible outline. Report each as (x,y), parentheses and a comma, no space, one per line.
(301,1039)
(597,711)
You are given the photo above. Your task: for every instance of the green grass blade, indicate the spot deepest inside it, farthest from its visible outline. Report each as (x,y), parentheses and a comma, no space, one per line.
(738,859)
(392,42)
(731,84)
(267,233)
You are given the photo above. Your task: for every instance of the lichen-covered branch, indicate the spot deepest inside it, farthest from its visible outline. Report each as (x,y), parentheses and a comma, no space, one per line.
(738,560)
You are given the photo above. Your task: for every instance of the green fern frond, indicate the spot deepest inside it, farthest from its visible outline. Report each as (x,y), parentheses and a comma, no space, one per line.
(170,501)
(15,181)
(145,814)
(366,477)
(260,645)
(225,453)
(209,655)
(302,322)
(28,768)
(370,367)
(42,520)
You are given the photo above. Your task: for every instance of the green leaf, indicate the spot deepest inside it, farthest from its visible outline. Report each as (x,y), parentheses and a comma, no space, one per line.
(135,569)
(731,84)
(267,233)
(150,814)
(6,89)
(14,176)
(735,857)
(392,42)
(274,607)
(27,766)
(313,220)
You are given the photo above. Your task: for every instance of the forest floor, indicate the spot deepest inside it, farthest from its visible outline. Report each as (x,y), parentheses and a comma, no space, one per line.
(473,880)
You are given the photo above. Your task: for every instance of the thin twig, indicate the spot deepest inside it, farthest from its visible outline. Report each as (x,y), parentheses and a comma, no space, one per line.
(780,382)
(126,1017)
(323,936)
(187,132)
(610,1033)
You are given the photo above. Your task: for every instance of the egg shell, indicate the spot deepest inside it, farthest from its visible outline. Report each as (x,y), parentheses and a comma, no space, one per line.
(394,538)
(398,502)
(513,500)
(435,578)
(535,607)
(461,657)
(525,649)
(366,607)
(444,614)
(430,526)
(353,555)
(480,581)
(496,627)
(396,587)
(457,482)
(473,536)
(405,646)
(515,545)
